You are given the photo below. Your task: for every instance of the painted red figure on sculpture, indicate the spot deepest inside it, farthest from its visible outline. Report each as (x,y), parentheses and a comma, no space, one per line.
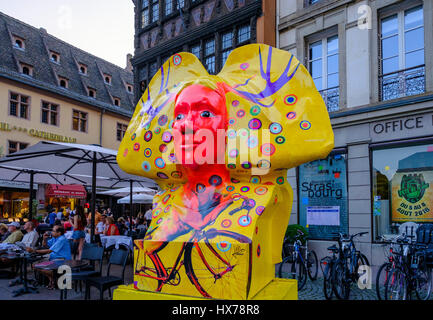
(197,109)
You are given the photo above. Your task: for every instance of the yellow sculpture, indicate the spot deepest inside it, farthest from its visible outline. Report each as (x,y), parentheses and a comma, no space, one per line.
(219,147)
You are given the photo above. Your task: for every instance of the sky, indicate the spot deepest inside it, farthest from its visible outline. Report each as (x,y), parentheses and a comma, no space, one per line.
(104,28)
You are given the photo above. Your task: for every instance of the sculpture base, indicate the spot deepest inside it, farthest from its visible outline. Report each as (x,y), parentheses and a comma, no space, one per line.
(277,289)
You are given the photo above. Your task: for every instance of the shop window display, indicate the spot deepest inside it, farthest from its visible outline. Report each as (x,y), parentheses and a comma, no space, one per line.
(402,187)
(322,191)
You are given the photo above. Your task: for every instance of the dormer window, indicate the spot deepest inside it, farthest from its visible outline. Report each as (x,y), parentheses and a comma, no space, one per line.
(18,43)
(116,101)
(63,82)
(107,78)
(54,57)
(82,68)
(91,92)
(129,88)
(26,69)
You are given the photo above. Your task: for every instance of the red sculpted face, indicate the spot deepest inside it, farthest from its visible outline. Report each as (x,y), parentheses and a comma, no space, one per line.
(200,115)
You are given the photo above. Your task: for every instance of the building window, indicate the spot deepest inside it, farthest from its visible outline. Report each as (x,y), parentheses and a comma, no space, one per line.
(209,55)
(153,69)
(63,82)
(244,33)
(91,92)
(79,121)
(168,8)
(226,45)
(323,65)
(143,86)
(54,57)
(323,202)
(155,10)
(308,3)
(402,69)
(180,4)
(195,50)
(19,105)
(402,187)
(129,88)
(50,113)
(18,43)
(15,146)
(116,101)
(107,78)
(26,69)
(121,129)
(144,13)
(82,69)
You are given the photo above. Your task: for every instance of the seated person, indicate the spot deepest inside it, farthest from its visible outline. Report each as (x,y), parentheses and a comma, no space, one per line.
(4,232)
(111,229)
(140,225)
(15,233)
(31,237)
(101,225)
(59,248)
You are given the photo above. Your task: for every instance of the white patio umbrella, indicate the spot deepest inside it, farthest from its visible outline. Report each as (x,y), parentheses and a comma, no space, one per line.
(137,198)
(121,192)
(86,164)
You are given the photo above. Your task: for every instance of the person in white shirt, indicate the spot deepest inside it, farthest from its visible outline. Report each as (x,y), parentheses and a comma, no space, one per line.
(148,217)
(31,237)
(60,214)
(100,227)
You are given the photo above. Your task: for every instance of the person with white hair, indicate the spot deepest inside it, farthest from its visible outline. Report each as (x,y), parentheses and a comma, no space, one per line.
(16,234)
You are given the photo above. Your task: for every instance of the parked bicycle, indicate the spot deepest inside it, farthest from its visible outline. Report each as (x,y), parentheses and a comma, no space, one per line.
(327,265)
(397,246)
(410,273)
(345,271)
(298,262)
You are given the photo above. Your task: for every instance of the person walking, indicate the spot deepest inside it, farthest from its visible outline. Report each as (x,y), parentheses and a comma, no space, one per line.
(79,223)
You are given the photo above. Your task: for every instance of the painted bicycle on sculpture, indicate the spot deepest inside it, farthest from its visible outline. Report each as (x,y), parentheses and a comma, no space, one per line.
(205,261)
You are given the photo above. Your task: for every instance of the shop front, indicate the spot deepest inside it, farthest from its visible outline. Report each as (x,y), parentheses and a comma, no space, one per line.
(378,177)
(14,200)
(63,196)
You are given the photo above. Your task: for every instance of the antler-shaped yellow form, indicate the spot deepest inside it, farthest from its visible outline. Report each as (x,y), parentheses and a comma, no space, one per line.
(277,118)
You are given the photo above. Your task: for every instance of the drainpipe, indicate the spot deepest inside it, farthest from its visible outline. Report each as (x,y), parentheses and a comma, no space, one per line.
(277,22)
(100,127)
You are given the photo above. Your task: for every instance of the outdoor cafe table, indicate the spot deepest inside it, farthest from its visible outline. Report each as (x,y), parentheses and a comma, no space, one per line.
(23,259)
(55,264)
(108,241)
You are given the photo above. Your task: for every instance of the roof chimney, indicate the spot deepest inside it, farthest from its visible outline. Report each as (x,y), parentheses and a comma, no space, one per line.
(128,62)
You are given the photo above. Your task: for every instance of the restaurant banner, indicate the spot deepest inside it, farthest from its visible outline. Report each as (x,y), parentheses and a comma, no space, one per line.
(412,196)
(323,197)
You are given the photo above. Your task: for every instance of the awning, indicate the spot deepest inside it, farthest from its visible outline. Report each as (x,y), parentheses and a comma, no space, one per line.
(66,191)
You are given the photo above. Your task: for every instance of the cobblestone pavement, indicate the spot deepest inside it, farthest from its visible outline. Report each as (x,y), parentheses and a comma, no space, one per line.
(313,290)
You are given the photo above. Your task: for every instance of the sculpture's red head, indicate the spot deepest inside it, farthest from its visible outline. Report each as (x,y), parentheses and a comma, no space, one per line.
(198,115)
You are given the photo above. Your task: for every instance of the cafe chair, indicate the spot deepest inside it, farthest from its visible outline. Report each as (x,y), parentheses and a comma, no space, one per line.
(92,254)
(118,257)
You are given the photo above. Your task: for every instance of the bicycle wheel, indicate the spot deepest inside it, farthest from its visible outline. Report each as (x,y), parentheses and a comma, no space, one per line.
(341,284)
(290,269)
(312,265)
(396,285)
(327,280)
(423,283)
(381,277)
(215,268)
(300,273)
